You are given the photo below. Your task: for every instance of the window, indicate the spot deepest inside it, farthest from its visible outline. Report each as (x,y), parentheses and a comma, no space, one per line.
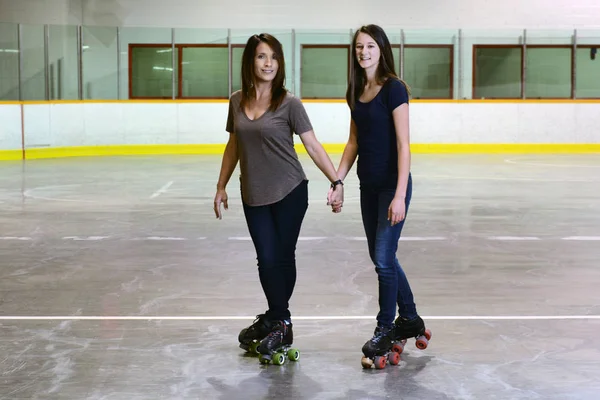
(497,71)
(200,71)
(237,50)
(204,72)
(324,71)
(587,67)
(428,70)
(549,72)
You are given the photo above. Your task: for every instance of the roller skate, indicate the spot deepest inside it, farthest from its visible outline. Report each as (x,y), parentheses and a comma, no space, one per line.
(276,347)
(377,351)
(406,329)
(251,336)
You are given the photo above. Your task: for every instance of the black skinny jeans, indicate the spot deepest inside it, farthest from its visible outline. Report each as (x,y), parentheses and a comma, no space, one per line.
(274,230)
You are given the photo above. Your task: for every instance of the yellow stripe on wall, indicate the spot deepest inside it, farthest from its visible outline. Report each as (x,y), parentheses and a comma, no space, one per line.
(11,155)
(332,148)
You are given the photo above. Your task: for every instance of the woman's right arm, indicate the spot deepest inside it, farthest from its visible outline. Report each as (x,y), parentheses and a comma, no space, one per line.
(350,152)
(228,164)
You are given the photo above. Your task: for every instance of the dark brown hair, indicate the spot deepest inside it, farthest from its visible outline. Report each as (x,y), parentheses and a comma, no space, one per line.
(385,69)
(278,90)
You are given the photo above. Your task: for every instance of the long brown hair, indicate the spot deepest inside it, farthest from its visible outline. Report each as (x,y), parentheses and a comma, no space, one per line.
(278,90)
(385,69)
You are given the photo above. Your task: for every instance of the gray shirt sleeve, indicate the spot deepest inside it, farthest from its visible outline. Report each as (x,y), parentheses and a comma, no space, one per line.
(298,118)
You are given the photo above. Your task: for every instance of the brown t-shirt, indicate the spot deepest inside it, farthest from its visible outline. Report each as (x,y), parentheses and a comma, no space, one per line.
(269,165)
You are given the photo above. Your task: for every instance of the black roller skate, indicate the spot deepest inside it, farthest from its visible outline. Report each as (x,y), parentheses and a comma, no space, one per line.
(276,347)
(409,328)
(251,336)
(378,350)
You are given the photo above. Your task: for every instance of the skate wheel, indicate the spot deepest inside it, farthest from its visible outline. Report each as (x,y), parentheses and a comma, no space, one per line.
(278,359)
(398,347)
(366,362)
(428,334)
(293,354)
(380,362)
(421,343)
(394,358)
(254,347)
(264,359)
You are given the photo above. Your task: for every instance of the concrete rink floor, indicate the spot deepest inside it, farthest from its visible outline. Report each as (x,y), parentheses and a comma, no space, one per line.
(117,282)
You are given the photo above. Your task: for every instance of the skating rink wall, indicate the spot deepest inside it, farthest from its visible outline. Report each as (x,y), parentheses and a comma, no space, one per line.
(58,129)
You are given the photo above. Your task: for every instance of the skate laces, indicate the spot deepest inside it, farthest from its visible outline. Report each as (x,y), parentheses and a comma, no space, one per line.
(380,333)
(278,332)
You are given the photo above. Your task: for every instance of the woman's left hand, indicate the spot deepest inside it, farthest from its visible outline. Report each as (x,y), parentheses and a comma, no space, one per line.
(396,211)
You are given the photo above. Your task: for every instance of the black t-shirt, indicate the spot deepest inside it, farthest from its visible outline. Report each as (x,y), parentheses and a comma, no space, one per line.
(377,164)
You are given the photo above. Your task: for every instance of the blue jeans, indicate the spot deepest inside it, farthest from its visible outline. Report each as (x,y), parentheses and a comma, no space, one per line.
(274,230)
(382,239)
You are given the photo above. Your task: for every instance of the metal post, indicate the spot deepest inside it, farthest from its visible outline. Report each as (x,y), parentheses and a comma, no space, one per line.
(524,65)
(460,88)
(229,66)
(20,60)
(118,63)
(294,61)
(80,62)
(401,53)
(46,63)
(173,57)
(574,67)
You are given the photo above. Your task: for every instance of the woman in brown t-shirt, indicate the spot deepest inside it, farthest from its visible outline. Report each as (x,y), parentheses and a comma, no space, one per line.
(263,116)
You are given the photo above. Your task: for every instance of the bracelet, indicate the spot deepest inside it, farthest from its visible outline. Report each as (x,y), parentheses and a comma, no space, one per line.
(338,182)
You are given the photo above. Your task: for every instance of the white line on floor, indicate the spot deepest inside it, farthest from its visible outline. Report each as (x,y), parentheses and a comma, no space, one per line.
(513,238)
(86,238)
(306,318)
(162,190)
(581,238)
(14,238)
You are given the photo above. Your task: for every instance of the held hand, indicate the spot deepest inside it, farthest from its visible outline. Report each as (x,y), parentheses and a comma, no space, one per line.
(396,211)
(335,198)
(220,197)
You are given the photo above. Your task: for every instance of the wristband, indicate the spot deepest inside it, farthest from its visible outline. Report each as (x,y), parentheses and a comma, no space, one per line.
(338,182)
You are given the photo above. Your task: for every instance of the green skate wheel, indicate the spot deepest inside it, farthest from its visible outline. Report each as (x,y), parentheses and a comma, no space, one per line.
(263,359)
(278,359)
(293,354)
(254,347)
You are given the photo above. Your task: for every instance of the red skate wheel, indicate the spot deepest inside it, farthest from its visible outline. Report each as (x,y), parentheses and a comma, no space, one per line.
(394,358)
(380,362)
(398,348)
(428,334)
(421,343)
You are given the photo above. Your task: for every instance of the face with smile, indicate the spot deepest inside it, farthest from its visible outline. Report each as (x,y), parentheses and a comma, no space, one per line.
(265,63)
(367,51)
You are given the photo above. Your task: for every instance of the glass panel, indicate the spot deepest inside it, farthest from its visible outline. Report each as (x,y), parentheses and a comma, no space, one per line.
(9,62)
(100,63)
(161,85)
(548,73)
(63,65)
(588,71)
(33,79)
(151,72)
(205,72)
(498,72)
(324,72)
(428,71)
